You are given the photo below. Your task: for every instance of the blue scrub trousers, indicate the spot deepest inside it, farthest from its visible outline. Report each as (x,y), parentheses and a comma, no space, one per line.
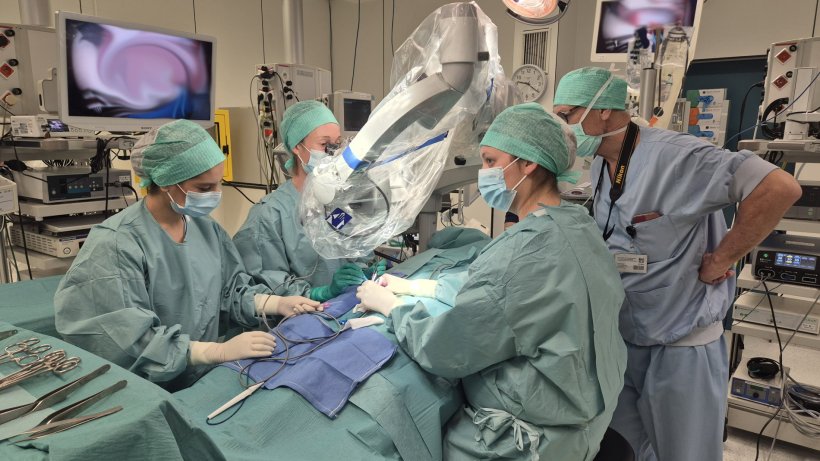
(673,404)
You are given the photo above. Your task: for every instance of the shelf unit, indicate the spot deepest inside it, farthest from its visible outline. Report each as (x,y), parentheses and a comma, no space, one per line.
(801,355)
(47,149)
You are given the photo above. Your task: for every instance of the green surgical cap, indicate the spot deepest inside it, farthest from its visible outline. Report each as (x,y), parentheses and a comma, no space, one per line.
(578,87)
(173,153)
(302,118)
(529,132)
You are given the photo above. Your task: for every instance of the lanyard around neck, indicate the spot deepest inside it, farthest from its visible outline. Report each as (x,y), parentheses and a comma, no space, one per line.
(621,168)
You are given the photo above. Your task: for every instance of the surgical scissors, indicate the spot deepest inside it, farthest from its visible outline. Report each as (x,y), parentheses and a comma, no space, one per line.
(24,352)
(56,362)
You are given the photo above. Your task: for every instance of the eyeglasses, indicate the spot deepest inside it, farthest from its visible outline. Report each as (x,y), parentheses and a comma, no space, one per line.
(331,148)
(565,115)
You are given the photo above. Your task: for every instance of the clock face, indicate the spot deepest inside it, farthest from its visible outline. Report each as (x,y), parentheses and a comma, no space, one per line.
(530,81)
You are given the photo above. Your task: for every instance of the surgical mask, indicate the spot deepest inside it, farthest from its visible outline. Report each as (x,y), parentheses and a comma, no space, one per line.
(587,145)
(493,188)
(197,203)
(315,157)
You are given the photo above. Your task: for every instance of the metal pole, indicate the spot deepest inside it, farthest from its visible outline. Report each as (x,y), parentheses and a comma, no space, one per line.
(36,13)
(646,103)
(293,27)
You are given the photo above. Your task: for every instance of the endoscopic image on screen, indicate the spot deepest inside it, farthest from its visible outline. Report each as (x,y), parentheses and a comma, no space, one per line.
(620,18)
(120,72)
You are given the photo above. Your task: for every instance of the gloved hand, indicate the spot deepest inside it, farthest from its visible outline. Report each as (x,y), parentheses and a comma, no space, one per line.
(379,269)
(347,275)
(252,344)
(284,305)
(423,287)
(374,297)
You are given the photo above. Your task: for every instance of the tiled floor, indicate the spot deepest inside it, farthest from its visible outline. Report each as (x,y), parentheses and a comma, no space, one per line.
(741,447)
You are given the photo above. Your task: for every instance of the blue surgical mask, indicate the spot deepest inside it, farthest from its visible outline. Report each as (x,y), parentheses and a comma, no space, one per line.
(493,188)
(587,145)
(315,157)
(197,203)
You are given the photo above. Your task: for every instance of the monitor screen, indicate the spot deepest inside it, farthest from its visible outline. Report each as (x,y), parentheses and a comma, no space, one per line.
(795,261)
(356,113)
(617,20)
(122,75)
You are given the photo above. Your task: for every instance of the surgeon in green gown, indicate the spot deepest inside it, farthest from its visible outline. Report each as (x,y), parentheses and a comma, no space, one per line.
(533,334)
(272,243)
(149,286)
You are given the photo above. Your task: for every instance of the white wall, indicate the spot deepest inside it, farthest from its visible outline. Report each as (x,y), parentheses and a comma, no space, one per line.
(249,32)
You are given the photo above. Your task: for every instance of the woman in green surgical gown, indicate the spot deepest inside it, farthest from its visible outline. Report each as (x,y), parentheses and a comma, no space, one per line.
(272,243)
(149,286)
(534,333)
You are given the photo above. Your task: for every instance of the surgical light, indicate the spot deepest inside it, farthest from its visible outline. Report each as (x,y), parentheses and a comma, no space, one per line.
(537,12)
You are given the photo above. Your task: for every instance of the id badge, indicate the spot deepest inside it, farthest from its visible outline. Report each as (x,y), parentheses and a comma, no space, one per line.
(630,263)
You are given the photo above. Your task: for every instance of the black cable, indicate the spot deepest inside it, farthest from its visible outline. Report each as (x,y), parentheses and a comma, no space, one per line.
(392,22)
(330,24)
(25,243)
(33,177)
(240,191)
(11,247)
(287,358)
(782,374)
(356,45)
(743,105)
(105,185)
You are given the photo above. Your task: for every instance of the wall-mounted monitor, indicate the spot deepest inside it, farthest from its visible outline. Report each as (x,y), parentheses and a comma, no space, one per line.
(352,109)
(116,76)
(616,21)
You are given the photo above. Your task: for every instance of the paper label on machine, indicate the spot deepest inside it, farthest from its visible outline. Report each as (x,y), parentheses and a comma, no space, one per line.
(630,263)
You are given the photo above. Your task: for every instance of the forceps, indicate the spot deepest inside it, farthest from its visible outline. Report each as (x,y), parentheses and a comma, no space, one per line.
(24,352)
(55,396)
(61,419)
(56,362)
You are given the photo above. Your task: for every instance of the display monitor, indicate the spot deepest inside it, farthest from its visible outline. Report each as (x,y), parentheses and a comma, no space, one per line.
(616,22)
(352,109)
(116,76)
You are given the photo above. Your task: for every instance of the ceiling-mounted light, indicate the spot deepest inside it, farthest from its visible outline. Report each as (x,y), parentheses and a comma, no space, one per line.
(537,12)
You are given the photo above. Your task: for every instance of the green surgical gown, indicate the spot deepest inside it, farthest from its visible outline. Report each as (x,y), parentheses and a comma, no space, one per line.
(276,251)
(136,297)
(534,333)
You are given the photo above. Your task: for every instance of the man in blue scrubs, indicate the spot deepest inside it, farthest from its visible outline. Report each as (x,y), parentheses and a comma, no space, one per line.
(659,196)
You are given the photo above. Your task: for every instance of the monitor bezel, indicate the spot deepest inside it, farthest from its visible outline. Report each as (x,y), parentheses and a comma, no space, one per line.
(621,57)
(120,124)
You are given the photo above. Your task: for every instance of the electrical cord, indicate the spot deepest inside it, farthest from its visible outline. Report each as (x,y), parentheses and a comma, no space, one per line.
(743,104)
(228,183)
(330,25)
(392,28)
(782,373)
(6,222)
(25,243)
(284,357)
(356,45)
(786,108)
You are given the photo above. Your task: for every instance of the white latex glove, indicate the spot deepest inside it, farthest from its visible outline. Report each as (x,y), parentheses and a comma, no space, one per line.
(252,344)
(374,297)
(424,287)
(285,305)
